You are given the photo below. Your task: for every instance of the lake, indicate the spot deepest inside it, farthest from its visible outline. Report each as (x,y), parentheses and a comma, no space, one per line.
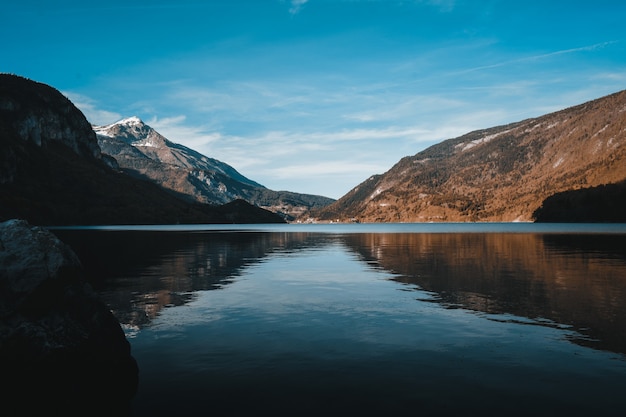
(363,319)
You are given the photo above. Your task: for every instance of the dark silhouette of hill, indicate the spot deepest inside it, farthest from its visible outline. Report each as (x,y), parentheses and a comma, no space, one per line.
(604,203)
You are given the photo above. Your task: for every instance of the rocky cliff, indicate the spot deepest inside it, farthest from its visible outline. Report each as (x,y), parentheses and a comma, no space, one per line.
(38,114)
(499,174)
(42,115)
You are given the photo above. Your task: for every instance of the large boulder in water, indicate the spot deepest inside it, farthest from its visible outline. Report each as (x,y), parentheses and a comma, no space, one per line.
(62,352)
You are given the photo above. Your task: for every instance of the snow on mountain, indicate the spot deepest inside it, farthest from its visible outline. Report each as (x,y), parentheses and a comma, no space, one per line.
(133,131)
(143,152)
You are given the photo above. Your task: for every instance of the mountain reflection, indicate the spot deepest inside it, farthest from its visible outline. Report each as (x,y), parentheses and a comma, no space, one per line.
(571,280)
(140,273)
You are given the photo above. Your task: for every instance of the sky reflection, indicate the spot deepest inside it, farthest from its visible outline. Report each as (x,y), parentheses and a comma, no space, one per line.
(368,323)
(565,281)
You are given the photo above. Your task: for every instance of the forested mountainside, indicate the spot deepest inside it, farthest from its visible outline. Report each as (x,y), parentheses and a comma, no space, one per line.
(504,173)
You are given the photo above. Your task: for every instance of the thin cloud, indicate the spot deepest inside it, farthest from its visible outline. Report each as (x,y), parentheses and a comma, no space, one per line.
(537,57)
(296,6)
(326,169)
(348,136)
(89,107)
(175,129)
(610,76)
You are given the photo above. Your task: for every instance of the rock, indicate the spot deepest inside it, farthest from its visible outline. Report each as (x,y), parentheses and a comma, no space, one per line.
(59,344)
(41,114)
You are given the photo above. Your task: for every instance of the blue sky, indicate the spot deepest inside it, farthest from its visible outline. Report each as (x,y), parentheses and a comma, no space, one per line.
(315,96)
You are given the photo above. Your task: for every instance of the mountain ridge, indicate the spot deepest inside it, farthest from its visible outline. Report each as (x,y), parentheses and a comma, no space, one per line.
(52,171)
(503,173)
(156,146)
(143,152)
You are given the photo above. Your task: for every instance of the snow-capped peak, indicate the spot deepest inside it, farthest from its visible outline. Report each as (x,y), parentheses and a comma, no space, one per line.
(134,132)
(131,130)
(133,120)
(129,121)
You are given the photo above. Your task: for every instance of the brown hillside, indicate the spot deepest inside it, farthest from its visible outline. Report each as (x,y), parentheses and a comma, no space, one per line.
(498,174)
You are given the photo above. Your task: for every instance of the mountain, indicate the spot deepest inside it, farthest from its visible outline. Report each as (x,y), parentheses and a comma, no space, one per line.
(134,141)
(504,173)
(142,152)
(52,171)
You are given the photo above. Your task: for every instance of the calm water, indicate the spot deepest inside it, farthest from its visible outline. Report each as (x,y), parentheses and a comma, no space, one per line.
(514,319)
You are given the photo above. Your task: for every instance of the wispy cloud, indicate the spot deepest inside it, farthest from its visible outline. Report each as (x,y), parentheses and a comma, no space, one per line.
(90,109)
(177,130)
(611,76)
(326,169)
(538,57)
(296,6)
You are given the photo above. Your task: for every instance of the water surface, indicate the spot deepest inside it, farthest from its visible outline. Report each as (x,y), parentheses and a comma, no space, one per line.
(511,319)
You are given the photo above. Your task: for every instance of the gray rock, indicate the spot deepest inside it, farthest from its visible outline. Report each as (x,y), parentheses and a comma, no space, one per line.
(29,256)
(58,341)
(41,114)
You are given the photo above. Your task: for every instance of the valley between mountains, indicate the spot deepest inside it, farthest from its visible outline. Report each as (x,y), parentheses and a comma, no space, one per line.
(56,168)
(557,167)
